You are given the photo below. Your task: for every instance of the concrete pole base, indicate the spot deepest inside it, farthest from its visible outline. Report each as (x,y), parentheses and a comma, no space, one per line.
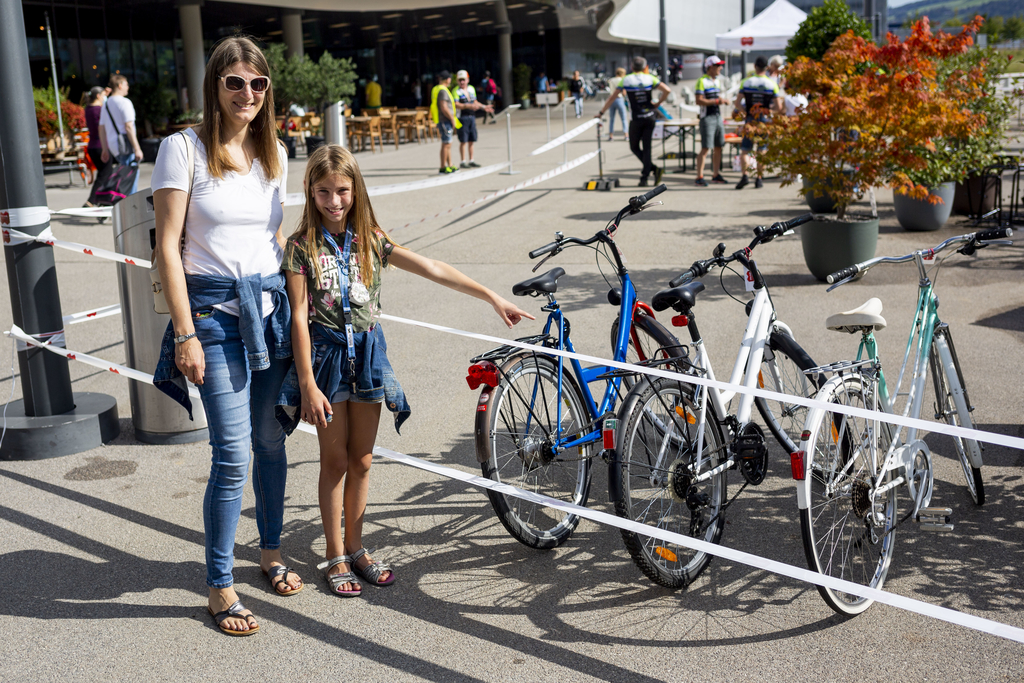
(92,423)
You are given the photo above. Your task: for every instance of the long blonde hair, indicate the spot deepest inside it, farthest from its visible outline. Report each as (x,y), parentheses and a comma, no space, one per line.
(334,160)
(263,128)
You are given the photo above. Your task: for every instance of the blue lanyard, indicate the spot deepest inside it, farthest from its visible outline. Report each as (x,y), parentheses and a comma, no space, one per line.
(342,259)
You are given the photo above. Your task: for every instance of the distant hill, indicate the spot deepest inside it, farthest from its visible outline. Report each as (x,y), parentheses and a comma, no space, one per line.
(939,11)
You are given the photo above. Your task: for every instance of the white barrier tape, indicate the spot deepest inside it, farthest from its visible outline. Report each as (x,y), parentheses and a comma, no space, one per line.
(46,237)
(92,314)
(942,613)
(55,339)
(561,139)
(559,170)
(15,237)
(24,217)
(915,423)
(909,604)
(87,212)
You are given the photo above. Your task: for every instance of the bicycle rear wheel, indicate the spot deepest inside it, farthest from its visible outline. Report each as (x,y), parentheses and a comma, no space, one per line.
(515,435)
(847,531)
(951,406)
(783,373)
(654,479)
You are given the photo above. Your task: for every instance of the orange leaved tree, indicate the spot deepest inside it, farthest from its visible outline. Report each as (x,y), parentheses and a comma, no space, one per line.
(874,112)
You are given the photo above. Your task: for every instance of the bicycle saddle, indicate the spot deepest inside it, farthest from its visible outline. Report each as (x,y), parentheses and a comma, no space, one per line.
(867,316)
(542,284)
(680,298)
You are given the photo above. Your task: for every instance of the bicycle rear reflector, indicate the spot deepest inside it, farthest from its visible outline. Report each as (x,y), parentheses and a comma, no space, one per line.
(485,372)
(665,554)
(608,433)
(680,321)
(796,460)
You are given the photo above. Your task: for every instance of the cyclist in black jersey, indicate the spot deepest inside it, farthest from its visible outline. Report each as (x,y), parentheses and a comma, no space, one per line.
(638,87)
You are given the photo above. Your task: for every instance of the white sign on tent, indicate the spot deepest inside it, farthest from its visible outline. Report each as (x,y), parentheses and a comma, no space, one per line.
(769,30)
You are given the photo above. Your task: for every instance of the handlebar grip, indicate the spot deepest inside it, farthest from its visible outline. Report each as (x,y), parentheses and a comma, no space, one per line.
(995,234)
(653,193)
(843,274)
(799,220)
(696,270)
(543,250)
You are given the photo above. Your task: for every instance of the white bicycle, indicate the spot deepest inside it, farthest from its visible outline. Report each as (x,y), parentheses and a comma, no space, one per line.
(849,468)
(671,453)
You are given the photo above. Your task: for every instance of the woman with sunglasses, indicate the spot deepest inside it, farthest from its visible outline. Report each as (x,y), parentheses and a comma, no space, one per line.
(218,191)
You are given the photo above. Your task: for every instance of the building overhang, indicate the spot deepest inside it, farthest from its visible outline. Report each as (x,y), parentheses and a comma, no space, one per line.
(690,24)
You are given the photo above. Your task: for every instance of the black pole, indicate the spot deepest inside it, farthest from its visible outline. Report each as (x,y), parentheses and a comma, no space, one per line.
(31,274)
(663,38)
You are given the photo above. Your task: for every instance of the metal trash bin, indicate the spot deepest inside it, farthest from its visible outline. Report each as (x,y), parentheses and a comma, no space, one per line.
(157,418)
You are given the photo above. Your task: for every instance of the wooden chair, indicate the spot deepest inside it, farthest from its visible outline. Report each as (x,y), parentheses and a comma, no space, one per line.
(373,130)
(370,112)
(388,127)
(415,125)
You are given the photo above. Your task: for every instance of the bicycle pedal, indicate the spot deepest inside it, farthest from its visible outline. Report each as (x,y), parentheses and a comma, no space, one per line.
(935,519)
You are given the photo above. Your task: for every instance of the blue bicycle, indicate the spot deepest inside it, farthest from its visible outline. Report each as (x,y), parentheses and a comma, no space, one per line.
(538,425)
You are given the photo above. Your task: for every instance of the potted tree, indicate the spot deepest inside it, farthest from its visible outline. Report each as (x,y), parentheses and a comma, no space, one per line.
(871,109)
(521,76)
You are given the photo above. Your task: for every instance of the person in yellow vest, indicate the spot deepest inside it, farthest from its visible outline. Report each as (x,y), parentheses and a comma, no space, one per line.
(442,113)
(373,91)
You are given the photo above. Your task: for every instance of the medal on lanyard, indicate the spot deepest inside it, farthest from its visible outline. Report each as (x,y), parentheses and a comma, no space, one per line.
(342,260)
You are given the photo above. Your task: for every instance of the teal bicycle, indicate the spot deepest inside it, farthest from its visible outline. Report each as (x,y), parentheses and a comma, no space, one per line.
(848,469)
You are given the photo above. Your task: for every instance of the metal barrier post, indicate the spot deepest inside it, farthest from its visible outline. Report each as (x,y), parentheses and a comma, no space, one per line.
(547,115)
(508,127)
(565,129)
(600,154)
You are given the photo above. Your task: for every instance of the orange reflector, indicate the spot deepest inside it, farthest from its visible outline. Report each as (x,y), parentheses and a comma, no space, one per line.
(835,434)
(796,460)
(665,554)
(760,380)
(686,415)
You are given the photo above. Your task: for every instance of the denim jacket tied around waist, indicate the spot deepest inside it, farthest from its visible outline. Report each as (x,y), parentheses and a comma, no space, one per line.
(205,291)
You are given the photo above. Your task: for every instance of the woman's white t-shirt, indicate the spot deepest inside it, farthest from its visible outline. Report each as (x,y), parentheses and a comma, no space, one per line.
(231,222)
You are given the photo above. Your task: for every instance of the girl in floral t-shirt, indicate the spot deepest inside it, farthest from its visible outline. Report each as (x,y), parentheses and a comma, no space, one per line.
(341,393)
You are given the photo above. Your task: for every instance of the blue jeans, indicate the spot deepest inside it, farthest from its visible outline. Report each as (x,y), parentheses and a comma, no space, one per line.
(618,108)
(239,408)
(577,101)
(129,158)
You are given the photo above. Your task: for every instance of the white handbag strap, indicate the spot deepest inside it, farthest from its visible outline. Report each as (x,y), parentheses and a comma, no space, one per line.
(190,151)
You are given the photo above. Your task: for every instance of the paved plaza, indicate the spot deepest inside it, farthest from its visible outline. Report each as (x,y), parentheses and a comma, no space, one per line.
(103,551)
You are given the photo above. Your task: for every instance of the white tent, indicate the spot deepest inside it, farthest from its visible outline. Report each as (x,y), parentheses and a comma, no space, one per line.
(769,30)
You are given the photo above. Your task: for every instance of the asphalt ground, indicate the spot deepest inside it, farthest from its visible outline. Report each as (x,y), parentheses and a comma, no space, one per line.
(103,551)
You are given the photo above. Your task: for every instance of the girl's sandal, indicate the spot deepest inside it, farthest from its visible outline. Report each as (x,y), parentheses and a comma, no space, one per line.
(372,571)
(336,581)
(235,610)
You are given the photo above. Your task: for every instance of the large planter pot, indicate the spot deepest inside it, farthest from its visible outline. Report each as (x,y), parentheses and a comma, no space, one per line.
(970,200)
(921,215)
(831,245)
(313,142)
(817,198)
(150,147)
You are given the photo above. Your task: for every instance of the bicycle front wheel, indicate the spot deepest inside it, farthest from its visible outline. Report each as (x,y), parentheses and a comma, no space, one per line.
(516,435)
(659,477)
(951,406)
(783,373)
(848,530)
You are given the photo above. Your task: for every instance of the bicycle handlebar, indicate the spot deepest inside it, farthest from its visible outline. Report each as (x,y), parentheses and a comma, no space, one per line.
(761,236)
(971,241)
(635,206)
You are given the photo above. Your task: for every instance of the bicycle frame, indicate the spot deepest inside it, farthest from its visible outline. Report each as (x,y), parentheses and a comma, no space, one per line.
(746,367)
(585,376)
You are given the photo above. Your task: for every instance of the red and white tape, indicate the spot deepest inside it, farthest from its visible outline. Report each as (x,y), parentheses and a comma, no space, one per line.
(565,137)
(14,237)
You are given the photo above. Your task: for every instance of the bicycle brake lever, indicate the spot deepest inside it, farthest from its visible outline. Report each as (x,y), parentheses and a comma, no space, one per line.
(544,260)
(839,284)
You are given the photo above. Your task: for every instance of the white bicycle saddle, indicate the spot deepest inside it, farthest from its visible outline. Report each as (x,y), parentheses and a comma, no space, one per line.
(868,315)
